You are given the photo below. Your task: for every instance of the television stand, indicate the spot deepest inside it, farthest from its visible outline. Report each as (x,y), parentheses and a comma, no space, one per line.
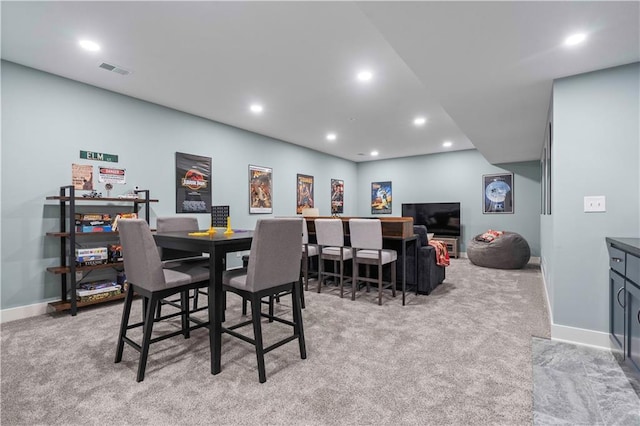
(451,243)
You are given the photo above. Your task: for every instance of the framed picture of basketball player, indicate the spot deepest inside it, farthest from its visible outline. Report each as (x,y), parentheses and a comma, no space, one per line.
(497,193)
(260,189)
(304,193)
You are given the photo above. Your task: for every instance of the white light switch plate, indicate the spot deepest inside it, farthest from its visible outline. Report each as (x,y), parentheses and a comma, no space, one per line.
(595,203)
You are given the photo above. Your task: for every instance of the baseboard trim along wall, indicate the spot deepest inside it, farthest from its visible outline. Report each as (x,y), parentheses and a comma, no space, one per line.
(21,312)
(580,336)
(564,333)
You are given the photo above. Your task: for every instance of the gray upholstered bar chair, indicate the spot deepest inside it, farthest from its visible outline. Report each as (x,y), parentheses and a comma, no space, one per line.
(330,239)
(172,257)
(308,250)
(366,241)
(175,224)
(147,278)
(273,268)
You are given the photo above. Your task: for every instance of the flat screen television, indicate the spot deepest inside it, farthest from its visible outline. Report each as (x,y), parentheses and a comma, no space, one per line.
(443,219)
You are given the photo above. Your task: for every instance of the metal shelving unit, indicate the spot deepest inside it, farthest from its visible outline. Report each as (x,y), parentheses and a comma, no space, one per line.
(68,238)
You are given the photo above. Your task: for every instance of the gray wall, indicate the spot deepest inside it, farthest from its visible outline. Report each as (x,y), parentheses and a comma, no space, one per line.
(457,176)
(47,120)
(595,151)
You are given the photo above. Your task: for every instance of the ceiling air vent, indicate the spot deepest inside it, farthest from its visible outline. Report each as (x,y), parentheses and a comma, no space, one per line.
(114,68)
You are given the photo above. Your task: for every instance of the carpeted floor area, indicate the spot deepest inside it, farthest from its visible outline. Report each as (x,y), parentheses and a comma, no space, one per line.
(461,355)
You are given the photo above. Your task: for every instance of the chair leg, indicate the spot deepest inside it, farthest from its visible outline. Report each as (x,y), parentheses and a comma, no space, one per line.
(159,310)
(301,294)
(305,271)
(320,272)
(184,306)
(393,279)
(257,332)
(298,329)
(146,338)
(145,305)
(341,277)
(196,292)
(244,306)
(271,310)
(379,284)
(368,275)
(354,278)
(126,310)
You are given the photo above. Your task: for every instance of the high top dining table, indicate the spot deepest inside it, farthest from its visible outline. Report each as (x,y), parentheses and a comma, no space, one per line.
(217,245)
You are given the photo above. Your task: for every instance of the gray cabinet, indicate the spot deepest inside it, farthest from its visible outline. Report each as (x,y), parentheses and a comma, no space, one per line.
(617,298)
(624,298)
(633,325)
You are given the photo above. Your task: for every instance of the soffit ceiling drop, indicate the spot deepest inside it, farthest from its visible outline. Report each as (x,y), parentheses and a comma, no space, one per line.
(480,72)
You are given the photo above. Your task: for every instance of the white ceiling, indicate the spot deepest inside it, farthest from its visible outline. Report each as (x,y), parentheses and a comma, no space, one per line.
(481,72)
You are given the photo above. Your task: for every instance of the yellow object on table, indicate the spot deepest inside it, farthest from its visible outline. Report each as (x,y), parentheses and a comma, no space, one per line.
(211,231)
(229,231)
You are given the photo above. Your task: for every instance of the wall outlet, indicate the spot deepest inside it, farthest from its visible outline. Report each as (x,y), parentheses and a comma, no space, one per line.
(594,204)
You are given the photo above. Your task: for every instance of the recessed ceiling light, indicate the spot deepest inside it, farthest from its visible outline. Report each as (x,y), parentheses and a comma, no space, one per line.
(331,136)
(256,108)
(374,153)
(89,45)
(419,121)
(574,39)
(365,75)
(447,144)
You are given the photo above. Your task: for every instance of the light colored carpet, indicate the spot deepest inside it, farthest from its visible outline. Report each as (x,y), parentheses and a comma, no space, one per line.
(461,355)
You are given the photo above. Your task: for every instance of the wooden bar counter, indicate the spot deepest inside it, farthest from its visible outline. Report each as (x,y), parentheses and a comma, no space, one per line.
(392,227)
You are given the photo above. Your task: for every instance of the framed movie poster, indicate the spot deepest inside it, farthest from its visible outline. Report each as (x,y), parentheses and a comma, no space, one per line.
(82,176)
(337,196)
(260,189)
(497,193)
(193,183)
(304,193)
(381,200)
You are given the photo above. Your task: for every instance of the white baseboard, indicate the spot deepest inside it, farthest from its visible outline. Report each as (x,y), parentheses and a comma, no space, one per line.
(580,336)
(21,312)
(564,333)
(546,291)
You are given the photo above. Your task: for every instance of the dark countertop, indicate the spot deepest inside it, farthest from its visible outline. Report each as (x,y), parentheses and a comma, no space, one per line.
(630,245)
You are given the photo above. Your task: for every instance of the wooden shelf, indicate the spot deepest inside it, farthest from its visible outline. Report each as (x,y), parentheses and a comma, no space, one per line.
(124,200)
(80,234)
(66,270)
(62,305)
(83,234)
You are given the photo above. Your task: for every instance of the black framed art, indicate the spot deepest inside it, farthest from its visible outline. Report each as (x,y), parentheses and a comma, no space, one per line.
(497,193)
(260,189)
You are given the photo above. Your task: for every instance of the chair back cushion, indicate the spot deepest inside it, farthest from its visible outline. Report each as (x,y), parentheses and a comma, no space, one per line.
(175,224)
(365,233)
(305,232)
(275,253)
(329,232)
(141,260)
